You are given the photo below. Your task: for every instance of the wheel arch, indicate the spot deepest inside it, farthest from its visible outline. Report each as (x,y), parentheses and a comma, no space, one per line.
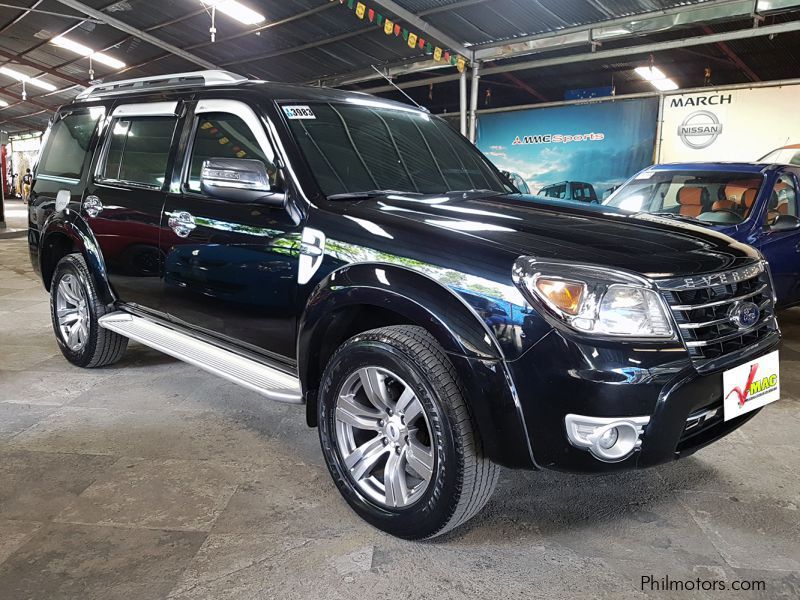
(65,233)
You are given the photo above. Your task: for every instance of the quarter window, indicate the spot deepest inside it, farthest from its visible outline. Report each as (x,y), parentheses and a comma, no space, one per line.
(67,144)
(784,198)
(138,150)
(224,135)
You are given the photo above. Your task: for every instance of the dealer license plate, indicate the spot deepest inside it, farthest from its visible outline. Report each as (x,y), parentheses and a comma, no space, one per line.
(751,385)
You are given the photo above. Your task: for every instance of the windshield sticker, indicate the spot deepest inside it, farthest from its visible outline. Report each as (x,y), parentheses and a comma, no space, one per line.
(299,112)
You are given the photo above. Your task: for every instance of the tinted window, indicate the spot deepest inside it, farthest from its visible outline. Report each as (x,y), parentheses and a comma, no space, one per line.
(354,147)
(138,150)
(67,144)
(223,135)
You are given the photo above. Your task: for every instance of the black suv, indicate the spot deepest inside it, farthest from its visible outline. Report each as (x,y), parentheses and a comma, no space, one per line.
(359,256)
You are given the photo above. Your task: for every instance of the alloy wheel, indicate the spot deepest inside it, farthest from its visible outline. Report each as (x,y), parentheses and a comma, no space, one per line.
(72,312)
(384,437)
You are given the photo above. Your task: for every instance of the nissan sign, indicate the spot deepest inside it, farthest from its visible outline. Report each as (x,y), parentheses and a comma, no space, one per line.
(700,129)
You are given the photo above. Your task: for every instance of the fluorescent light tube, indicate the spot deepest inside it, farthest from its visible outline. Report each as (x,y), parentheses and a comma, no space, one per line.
(79,48)
(656,76)
(27,79)
(237,10)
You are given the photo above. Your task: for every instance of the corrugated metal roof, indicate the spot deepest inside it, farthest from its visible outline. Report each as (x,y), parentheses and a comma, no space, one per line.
(307,40)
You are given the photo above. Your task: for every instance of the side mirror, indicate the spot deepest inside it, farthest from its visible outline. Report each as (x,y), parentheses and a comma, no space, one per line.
(239,180)
(785,223)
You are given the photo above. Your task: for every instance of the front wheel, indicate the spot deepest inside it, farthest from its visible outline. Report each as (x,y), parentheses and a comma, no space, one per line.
(397,436)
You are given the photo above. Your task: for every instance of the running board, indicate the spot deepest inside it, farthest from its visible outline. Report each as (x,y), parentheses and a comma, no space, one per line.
(267,381)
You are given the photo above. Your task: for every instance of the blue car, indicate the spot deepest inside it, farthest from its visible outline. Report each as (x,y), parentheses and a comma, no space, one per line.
(751,202)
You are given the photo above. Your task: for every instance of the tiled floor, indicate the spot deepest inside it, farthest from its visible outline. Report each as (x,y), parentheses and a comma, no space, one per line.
(152,479)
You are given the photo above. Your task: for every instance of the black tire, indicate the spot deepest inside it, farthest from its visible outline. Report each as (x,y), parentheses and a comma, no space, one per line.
(463,478)
(101,346)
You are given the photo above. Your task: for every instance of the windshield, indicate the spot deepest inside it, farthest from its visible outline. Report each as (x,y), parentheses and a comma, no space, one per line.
(707,196)
(365,145)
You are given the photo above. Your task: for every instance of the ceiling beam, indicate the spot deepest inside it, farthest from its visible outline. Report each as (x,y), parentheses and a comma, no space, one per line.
(143,35)
(423,26)
(627,51)
(728,51)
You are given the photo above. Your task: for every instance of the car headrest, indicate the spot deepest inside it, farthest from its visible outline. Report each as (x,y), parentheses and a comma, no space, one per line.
(749,197)
(690,196)
(736,190)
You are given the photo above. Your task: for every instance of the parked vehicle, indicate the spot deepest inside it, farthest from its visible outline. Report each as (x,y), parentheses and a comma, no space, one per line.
(787,155)
(570,190)
(517,181)
(753,203)
(358,255)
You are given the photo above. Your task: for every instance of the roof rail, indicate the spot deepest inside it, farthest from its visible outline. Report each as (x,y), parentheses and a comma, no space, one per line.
(171,80)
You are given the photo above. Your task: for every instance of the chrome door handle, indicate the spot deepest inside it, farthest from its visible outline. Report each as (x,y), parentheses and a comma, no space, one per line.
(182,223)
(92,205)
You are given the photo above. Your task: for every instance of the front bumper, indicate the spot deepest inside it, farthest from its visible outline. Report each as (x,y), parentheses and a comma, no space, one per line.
(561,376)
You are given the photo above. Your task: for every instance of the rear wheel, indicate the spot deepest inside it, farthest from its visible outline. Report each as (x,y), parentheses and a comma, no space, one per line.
(75,309)
(397,437)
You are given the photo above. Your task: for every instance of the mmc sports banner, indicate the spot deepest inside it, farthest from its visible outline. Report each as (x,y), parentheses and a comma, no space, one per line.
(601,144)
(729,125)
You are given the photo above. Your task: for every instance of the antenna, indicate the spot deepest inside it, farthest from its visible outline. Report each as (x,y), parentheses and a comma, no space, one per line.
(395,86)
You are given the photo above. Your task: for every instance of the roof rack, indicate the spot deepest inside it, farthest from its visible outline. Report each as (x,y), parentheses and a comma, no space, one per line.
(172,80)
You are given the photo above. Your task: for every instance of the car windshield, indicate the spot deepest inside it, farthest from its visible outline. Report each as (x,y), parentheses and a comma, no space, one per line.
(711,197)
(365,146)
(782,156)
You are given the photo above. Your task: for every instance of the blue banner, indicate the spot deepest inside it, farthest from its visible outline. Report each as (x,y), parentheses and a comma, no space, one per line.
(600,144)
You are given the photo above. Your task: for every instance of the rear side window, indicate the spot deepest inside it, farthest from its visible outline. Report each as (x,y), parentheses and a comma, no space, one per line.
(67,144)
(137,150)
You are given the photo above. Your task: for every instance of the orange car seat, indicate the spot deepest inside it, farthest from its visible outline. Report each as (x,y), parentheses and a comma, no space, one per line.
(691,200)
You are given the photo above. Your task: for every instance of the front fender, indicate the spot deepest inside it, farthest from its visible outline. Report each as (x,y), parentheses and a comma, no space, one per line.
(70,224)
(462,333)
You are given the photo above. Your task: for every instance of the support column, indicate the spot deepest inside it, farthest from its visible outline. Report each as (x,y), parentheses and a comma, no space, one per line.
(473,109)
(463,100)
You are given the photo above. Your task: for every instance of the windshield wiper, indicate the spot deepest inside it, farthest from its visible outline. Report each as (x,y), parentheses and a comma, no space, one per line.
(476,191)
(369,194)
(672,216)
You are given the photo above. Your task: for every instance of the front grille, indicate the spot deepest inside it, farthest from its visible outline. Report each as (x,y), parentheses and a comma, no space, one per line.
(702,308)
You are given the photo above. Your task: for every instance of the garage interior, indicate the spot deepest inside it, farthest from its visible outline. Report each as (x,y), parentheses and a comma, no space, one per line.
(153,479)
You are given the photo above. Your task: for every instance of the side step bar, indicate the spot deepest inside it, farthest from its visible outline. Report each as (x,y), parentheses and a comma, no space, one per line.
(269,382)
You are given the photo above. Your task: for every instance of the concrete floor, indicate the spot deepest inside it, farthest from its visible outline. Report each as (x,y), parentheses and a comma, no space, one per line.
(152,479)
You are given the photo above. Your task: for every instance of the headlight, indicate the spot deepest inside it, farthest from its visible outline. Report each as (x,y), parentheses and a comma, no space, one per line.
(595,300)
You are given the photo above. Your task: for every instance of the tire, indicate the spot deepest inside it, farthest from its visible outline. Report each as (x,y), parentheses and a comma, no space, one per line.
(93,346)
(460,478)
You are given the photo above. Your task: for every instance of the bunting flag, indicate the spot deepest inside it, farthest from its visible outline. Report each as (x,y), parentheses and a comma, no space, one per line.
(410,38)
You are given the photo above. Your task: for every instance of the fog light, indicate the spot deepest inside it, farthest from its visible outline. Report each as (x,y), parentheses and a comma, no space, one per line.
(610,439)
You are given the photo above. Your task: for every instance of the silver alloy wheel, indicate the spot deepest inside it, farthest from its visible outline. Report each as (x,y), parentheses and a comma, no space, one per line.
(72,312)
(384,437)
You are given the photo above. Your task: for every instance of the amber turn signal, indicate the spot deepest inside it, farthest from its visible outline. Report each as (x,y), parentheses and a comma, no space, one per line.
(563,294)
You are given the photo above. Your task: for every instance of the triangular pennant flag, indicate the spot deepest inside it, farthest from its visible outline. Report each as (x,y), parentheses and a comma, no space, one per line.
(351,4)
(421,43)
(371,15)
(412,40)
(461,64)
(397,30)
(361,10)
(437,54)
(405,34)
(388,27)
(379,20)
(428,48)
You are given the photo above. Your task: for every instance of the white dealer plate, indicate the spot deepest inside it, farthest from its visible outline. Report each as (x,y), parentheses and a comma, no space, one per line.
(751,385)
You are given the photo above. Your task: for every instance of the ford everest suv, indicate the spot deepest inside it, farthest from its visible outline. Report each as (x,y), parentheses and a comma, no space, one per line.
(359,256)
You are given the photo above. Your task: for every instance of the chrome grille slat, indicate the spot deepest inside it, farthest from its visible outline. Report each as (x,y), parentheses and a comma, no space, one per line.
(701,305)
(760,290)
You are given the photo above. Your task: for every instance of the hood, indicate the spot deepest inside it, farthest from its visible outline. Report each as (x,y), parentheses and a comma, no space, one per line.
(552,229)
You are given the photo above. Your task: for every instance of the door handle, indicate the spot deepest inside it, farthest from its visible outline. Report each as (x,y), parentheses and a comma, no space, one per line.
(182,223)
(92,206)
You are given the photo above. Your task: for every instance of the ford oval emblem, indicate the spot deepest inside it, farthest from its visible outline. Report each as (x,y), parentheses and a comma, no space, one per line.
(744,314)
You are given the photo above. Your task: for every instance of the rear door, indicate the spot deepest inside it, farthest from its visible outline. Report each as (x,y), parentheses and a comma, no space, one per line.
(230,268)
(124,199)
